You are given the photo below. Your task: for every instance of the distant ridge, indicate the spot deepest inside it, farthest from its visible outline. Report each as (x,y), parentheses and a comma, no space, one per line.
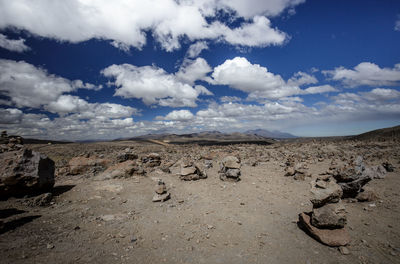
(206,138)
(270,134)
(383,133)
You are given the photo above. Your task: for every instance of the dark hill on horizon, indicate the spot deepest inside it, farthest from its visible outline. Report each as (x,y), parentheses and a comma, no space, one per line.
(380,134)
(270,134)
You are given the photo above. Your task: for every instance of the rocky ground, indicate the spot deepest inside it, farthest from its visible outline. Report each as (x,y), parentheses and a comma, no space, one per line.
(101,209)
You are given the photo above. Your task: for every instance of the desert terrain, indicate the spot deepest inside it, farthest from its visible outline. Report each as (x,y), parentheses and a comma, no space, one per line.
(101,208)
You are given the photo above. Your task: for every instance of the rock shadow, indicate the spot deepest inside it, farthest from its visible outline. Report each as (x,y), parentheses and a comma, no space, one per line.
(4,213)
(13,224)
(60,189)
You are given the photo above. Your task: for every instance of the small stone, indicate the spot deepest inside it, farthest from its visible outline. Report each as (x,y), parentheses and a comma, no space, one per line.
(290,171)
(50,246)
(367,195)
(161,197)
(344,250)
(160,187)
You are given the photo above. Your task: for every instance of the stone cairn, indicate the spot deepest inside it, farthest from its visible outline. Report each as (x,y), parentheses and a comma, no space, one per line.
(230,169)
(326,223)
(191,172)
(25,172)
(354,176)
(10,143)
(161,193)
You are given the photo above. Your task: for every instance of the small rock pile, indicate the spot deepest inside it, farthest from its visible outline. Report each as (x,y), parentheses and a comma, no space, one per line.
(10,143)
(127,154)
(230,169)
(191,172)
(298,171)
(353,177)
(152,160)
(161,193)
(326,223)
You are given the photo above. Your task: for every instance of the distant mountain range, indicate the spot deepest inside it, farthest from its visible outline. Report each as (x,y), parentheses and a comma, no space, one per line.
(270,134)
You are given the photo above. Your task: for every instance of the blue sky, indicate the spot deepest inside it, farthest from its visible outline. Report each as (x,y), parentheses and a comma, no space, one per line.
(102,69)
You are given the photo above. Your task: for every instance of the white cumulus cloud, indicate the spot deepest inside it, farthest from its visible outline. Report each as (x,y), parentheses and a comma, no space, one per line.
(29,86)
(196,48)
(366,73)
(125,23)
(254,79)
(178,115)
(16,45)
(153,85)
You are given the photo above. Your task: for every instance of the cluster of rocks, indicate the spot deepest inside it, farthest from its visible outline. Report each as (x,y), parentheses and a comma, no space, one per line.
(25,172)
(326,223)
(127,154)
(298,170)
(354,176)
(152,160)
(10,143)
(191,172)
(230,169)
(161,193)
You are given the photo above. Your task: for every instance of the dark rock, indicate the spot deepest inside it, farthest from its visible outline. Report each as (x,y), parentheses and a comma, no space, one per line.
(126,156)
(329,216)
(152,160)
(351,189)
(389,167)
(25,172)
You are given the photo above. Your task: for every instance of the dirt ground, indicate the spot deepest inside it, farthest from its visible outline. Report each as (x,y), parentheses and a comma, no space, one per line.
(205,221)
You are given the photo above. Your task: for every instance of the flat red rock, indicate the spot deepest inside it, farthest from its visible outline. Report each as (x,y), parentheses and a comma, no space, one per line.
(330,237)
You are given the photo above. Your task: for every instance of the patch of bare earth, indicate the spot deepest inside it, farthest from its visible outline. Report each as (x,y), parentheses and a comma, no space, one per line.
(254,220)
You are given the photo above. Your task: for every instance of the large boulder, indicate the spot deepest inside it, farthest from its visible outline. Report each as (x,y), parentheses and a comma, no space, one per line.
(25,172)
(230,169)
(325,190)
(330,216)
